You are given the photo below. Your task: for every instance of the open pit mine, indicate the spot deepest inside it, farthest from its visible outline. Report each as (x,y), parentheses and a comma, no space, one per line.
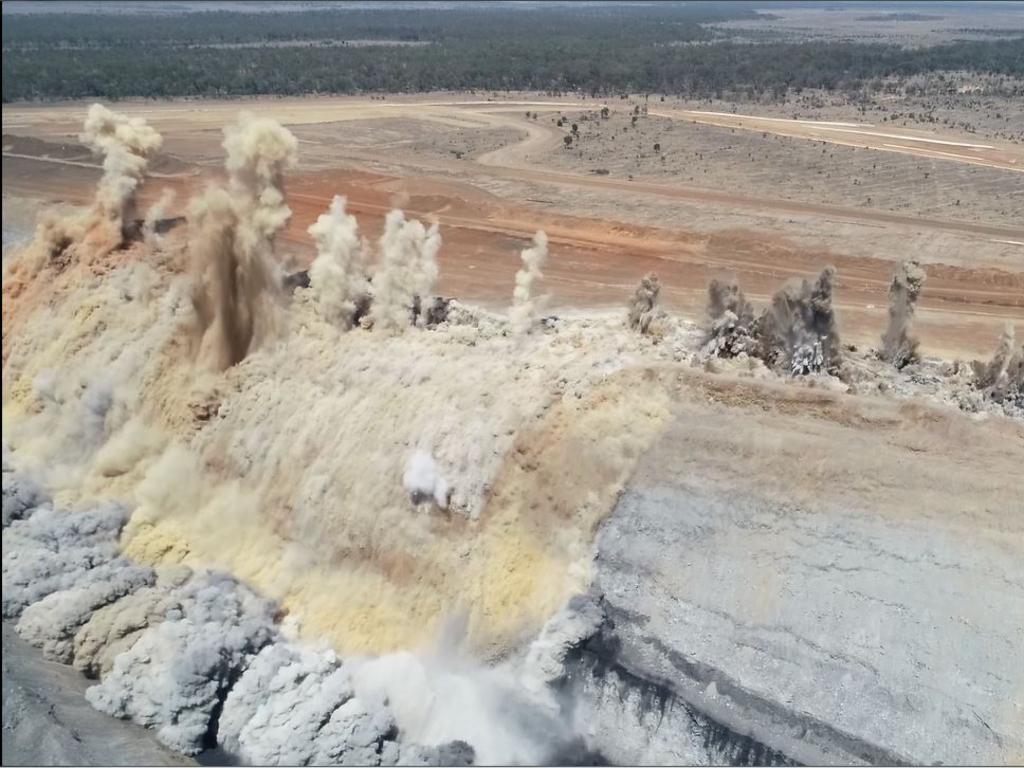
(329,516)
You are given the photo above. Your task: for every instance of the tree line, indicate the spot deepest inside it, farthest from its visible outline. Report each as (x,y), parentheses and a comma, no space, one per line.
(601,52)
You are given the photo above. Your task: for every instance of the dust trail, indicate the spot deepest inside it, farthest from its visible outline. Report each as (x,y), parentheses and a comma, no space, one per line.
(231,239)
(899,344)
(338,274)
(406,274)
(524,305)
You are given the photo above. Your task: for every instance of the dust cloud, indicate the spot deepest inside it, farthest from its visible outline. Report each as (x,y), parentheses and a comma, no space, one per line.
(1002,378)
(253,530)
(730,325)
(644,315)
(523,314)
(406,273)
(796,334)
(154,220)
(338,273)
(231,239)
(798,331)
(125,144)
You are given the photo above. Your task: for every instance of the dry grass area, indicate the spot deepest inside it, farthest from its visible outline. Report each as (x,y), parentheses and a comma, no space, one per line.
(982,106)
(767,164)
(863,23)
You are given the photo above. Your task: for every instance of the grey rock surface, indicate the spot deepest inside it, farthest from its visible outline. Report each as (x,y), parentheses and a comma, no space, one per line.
(827,630)
(47,721)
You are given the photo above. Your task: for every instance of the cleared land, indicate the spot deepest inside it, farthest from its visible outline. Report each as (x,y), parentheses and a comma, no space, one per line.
(866,24)
(752,195)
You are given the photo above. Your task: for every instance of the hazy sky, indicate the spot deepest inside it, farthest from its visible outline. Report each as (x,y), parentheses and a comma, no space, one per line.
(249,6)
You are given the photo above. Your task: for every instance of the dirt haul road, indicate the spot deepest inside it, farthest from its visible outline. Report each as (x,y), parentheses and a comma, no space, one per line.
(596,259)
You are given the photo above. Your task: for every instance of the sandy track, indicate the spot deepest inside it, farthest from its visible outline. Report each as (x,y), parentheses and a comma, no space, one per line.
(866,135)
(704,195)
(64,120)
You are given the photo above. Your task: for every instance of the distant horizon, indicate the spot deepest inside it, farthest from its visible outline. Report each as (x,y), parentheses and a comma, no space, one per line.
(144,7)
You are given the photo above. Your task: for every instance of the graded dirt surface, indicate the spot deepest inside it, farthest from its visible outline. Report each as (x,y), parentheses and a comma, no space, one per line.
(492,171)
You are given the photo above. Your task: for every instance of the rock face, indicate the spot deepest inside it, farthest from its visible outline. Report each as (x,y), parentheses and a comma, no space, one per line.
(752,622)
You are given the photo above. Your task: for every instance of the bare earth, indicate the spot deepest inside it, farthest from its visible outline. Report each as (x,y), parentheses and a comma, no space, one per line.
(764,197)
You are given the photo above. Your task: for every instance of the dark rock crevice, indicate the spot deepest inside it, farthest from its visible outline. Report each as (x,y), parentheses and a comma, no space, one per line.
(701,711)
(600,658)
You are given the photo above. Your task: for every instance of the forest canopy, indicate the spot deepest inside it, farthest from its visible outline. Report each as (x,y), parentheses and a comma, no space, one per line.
(603,49)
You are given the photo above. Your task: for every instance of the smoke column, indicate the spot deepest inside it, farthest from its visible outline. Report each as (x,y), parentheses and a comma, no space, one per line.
(643,308)
(232,242)
(338,274)
(899,345)
(407,271)
(798,331)
(730,320)
(1002,378)
(524,306)
(125,144)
